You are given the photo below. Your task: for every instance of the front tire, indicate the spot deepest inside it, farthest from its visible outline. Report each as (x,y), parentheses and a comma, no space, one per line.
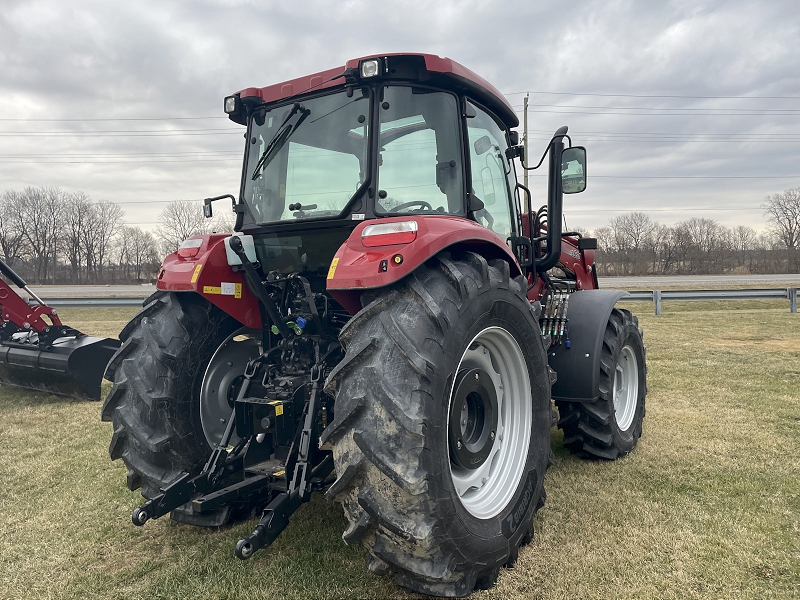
(440,471)
(610,427)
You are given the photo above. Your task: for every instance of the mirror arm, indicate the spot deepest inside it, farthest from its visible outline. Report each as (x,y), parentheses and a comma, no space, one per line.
(561,132)
(207,212)
(554,204)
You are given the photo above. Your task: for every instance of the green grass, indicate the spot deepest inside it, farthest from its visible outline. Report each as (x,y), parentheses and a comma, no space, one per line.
(708,506)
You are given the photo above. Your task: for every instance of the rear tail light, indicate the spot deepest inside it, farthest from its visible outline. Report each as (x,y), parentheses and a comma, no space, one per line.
(387,234)
(190,248)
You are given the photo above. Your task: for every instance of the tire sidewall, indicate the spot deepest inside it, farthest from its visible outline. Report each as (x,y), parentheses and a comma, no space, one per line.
(211,330)
(511,313)
(626,439)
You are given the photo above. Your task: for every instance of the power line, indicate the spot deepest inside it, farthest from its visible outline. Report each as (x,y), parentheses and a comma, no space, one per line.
(664,133)
(146,133)
(115,162)
(696,176)
(657,96)
(656,114)
(122,154)
(675,209)
(112,119)
(742,110)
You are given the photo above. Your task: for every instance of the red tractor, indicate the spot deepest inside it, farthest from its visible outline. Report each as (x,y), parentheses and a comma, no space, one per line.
(386,325)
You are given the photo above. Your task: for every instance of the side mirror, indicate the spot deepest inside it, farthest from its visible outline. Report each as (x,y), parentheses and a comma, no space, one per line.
(573,170)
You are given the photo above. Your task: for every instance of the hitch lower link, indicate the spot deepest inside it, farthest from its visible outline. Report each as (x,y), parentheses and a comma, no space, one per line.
(276,515)
(222,464)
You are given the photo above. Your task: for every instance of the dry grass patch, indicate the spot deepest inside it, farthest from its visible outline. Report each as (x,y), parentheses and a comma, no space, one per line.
(708,506)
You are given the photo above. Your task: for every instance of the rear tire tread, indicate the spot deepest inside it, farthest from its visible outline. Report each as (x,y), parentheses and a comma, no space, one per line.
(380,442)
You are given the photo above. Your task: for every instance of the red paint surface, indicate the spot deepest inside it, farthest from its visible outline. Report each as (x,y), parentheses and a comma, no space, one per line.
(359,267)
(176,274)
(581,266)
(329,78)
(15,310)
(579,262)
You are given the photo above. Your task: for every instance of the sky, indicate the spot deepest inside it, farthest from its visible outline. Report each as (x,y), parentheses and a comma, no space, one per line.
(686,108)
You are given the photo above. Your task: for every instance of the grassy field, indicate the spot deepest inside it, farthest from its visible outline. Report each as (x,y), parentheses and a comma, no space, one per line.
(708,506)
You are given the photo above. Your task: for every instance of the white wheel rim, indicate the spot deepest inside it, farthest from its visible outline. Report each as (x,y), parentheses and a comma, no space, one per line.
(486,491)
(626,387)
(225,367)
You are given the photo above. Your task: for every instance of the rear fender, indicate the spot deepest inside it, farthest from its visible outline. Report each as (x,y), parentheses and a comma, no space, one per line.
(356,267)
(578,367)
(209,274)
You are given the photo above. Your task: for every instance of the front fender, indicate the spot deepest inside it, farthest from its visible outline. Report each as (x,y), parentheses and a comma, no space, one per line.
(356,267)
(578,367)
(209,274)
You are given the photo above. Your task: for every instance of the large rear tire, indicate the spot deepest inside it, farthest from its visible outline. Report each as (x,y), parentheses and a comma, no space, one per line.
(610,427)
(155,403)
(441,432)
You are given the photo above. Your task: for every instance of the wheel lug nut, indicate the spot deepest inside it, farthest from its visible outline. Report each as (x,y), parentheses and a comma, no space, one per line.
(491,435)
(477,377)
(458,444)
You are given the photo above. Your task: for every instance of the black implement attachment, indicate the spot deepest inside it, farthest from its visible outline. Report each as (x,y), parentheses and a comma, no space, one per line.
(276,515)
(245,474)
(38,352)
(273,462)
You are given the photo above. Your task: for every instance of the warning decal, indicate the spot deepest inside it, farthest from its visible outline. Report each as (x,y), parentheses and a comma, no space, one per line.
(196,273)
(332,270)
(224,289)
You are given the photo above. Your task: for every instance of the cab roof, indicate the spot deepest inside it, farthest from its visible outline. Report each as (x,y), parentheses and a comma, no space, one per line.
(428,69)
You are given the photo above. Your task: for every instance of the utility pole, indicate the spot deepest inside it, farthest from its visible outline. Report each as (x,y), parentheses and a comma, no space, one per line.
(525,142)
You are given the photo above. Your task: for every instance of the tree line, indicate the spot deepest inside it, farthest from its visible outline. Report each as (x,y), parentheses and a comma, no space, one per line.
(634,244)
(48,235)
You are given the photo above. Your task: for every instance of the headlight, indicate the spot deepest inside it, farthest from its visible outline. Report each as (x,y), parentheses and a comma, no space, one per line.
(370,68)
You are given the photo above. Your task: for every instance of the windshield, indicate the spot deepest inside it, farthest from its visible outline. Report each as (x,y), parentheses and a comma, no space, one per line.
(307,159)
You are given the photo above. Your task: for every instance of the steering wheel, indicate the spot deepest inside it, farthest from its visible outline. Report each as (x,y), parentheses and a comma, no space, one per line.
(423,205)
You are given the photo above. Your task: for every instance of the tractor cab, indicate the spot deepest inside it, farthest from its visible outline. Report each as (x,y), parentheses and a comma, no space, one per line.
(389,136)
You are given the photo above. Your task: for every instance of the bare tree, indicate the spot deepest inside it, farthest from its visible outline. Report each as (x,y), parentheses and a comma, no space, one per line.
(632,233)
(76,221)
(743,239)
(783,216)
(12,231)
(106,222)
(179,220)
(223,222)
(139,252)
(41,209)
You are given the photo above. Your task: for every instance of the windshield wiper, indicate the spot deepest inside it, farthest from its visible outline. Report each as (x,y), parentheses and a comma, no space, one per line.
(279,139)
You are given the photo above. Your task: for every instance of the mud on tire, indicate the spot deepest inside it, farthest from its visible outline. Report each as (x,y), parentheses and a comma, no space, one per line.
(390,440)
(153,405)
(610,427)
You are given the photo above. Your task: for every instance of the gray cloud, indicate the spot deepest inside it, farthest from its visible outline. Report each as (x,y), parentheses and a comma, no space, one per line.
(115,60)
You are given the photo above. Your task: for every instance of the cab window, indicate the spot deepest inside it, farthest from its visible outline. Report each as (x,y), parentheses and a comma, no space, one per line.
(491,173)
(420,156)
